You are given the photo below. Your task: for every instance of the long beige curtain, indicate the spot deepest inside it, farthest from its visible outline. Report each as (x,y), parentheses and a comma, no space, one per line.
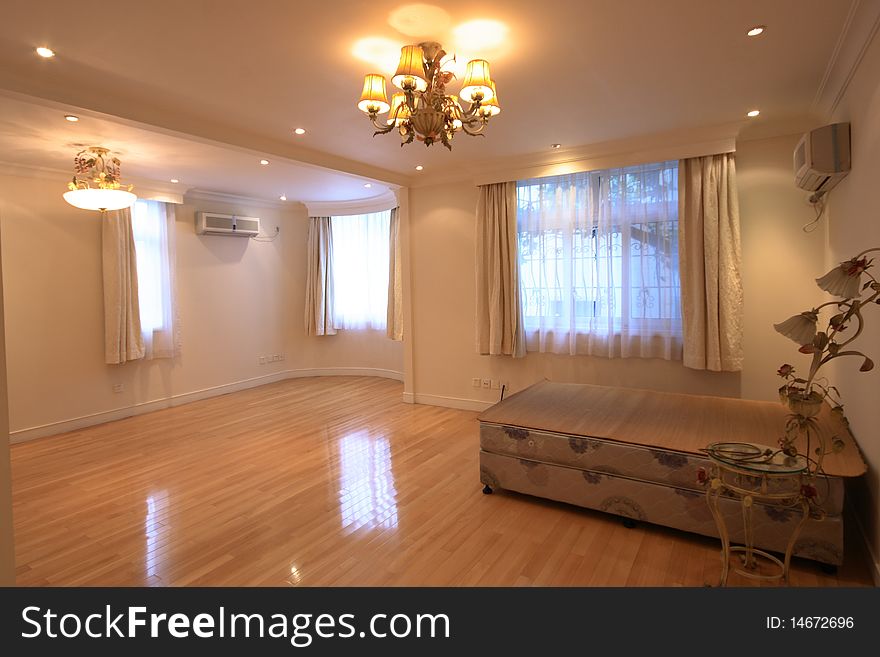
(394,327)
(122,321)
(709,263)
(319,278)
(499,308)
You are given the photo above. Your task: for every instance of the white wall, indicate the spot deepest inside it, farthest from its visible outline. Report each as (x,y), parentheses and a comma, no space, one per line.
(779,259)
(239,299)
(854,225)
(776,254)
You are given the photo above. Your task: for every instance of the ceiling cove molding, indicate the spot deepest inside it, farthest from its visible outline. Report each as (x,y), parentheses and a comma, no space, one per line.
(858,31)
(196,194)
(637,150)
(379,203)
(675,145)
(145,189)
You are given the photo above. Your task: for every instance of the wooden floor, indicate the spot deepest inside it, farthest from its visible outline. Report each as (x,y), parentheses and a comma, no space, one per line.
(321,482)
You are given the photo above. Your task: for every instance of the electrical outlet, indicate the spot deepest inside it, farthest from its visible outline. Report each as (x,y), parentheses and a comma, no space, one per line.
(118,387)
(496,384)
(475,382)
(487,383)
(262,360)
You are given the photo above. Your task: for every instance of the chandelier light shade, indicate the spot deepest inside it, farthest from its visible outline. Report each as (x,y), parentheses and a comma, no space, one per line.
(399,109)
(491,107)
(411,69)
(477,82)
(422,109)
(96,184)
(373,98)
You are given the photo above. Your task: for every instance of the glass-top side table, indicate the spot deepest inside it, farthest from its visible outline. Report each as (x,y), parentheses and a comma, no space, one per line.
(755,473)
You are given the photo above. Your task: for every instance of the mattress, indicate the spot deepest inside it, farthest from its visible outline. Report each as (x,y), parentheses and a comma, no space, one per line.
(638,454)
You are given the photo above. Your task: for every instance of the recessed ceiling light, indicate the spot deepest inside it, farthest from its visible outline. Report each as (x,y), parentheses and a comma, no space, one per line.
(753,113)
(367,185)
(282,198)
(300,131)
(555,145)
(264,162)
(44,52)
(419,167)
(71,118)
(757,30)
(175,180)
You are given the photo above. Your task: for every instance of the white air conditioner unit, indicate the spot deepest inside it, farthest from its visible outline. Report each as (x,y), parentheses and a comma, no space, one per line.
(211,223)
(822,158)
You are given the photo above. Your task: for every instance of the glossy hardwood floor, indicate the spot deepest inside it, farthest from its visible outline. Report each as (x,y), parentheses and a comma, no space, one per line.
(323,481)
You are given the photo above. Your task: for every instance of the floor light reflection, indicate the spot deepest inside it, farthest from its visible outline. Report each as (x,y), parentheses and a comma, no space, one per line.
(157,507)
(367,495)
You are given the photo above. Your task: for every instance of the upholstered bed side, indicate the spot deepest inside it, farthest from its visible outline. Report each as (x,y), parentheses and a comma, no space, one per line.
(651,473)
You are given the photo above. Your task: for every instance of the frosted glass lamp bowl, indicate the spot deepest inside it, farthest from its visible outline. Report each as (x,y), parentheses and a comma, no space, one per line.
(100,199)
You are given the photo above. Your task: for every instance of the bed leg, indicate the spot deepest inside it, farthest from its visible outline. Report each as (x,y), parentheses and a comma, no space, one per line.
(828,568)
(487,490)
(629,523)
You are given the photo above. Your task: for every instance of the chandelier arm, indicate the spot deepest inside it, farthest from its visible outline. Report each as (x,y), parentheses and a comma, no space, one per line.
(477,132)
(381,129)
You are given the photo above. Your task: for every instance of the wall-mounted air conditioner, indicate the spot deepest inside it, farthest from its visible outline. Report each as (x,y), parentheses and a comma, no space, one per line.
(822,158)
(212,223)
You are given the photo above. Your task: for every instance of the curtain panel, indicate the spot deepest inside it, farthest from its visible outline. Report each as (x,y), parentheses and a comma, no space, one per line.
(319,278)
(153,225)
(394,326)
(599,263)
(710,263)
(499,309)
(123,340)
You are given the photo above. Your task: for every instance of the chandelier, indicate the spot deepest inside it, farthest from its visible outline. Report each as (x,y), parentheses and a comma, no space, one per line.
(95,184)
(422,109)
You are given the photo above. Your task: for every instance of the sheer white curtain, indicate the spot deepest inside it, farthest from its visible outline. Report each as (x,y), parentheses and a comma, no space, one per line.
(598,255)
(153,228)
(360,270)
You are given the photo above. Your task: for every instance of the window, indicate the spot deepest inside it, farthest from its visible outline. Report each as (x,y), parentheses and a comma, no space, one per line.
(152,224)
(598,256)
(360,270)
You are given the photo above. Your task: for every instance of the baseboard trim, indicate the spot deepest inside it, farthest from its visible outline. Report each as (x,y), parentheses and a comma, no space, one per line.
(81,422)
(345,371)
(448,402)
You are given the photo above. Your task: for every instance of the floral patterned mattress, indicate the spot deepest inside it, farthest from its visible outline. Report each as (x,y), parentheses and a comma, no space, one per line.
(648,483)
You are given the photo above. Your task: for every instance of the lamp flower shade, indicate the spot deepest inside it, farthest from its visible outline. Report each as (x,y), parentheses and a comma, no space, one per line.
(800,328)
(845,280)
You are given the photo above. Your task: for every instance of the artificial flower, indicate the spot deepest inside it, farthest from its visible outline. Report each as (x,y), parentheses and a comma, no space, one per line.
(785,371)
(800,328)
(845,280)
(809,491)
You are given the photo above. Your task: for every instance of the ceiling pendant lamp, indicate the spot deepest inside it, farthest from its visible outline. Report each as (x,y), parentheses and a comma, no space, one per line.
(422,109)
(95,184)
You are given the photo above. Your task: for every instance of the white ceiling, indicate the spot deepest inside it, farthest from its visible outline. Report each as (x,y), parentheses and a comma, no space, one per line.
(37,135)
(578,72)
